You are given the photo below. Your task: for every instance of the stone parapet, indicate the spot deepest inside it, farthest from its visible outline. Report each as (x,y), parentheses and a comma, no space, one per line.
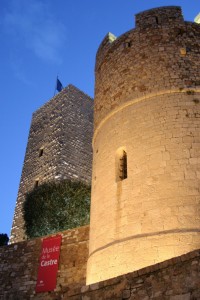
(19,265)
(174,279)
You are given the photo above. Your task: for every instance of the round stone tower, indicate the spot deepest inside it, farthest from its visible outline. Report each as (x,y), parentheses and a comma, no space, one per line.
(146,166)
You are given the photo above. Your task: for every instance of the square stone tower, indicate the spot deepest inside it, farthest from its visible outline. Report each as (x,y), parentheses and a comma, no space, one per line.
(59,147)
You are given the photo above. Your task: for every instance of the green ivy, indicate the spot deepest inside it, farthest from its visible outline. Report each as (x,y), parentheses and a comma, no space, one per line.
(56,206)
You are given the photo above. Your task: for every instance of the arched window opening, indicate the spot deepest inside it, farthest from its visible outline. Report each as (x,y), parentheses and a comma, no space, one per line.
(41,151)
(121,164)
(36,183)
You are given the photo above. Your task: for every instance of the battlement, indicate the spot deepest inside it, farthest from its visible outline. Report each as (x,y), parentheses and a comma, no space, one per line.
(166,16)
(159,16)
(197,19)
(105,45)
(137,53)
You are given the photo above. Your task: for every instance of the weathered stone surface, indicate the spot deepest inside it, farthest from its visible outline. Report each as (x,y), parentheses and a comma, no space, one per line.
(175,279)
(147,100)
(18,273)
(181,297)
(147,104)
(62,129)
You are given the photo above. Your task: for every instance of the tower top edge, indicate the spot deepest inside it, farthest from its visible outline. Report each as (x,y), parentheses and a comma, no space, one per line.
(165,15)
(68,91)
(151,18)
(160,8)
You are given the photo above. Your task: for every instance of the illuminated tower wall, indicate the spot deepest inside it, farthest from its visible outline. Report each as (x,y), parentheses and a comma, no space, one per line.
(59,147)
(146,144)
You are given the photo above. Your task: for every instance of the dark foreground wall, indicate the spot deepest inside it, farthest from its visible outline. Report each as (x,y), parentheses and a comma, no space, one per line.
(174,279)
(19,265)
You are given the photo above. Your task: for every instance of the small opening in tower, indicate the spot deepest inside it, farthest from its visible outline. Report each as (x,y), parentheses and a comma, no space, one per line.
(156,20)
(121,164)
(127,44)
(41,151)
(36,183)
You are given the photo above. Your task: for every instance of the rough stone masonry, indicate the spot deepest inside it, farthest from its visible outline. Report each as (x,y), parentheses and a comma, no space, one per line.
(147,105)
(59,147)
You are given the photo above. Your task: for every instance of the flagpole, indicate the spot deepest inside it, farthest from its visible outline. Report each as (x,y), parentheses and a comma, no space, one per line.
(55,85)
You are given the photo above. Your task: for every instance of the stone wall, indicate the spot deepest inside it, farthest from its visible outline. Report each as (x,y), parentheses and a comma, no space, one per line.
(174,279)
(152,215)
(59,147)
(19,265)
(161,53)
(147,103)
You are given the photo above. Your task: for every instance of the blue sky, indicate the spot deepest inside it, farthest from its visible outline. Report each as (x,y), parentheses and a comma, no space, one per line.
(40,39)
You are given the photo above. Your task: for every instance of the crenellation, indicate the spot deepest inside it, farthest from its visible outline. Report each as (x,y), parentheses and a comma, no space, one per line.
(146,59)
(162,16)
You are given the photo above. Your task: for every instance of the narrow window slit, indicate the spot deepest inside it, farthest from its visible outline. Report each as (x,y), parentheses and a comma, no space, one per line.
(121,164)
(157,20)
(41,151)
(36,183)
(127,44)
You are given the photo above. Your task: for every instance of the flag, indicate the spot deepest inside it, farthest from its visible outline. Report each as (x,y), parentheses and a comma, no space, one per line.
(59,85)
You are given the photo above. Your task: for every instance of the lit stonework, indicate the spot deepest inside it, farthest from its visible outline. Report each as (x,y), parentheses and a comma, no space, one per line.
(197,19)
(147,102)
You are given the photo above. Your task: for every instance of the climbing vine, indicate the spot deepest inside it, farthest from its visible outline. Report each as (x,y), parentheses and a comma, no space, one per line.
(56,206)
